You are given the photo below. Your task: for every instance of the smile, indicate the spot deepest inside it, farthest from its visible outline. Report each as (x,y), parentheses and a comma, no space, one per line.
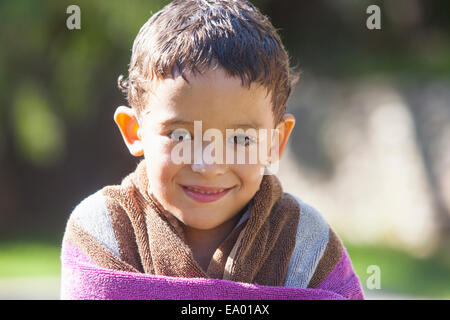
(205,194)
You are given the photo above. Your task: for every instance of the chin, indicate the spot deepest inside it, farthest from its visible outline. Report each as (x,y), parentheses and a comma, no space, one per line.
(201,224)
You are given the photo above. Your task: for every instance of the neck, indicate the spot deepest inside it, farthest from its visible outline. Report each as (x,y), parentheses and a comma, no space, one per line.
(205,242)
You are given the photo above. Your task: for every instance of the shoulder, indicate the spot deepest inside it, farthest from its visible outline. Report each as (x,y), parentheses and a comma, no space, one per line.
(311,220)
(92,217)
(319,259)
(312,238)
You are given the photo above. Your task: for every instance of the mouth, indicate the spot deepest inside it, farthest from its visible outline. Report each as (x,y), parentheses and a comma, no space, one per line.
(205,194)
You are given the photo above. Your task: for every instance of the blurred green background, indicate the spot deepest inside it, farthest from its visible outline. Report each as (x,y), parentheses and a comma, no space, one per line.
(373,124)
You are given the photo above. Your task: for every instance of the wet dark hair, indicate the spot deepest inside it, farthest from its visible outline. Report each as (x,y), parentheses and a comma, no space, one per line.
(190,36)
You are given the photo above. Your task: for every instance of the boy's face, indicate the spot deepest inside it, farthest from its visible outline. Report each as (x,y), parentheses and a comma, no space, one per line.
(220,102)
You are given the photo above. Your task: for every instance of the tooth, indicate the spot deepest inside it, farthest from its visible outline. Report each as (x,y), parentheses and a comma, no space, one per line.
(206,192)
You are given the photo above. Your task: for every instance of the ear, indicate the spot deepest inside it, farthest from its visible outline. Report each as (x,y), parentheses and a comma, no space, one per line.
(126,120)
(284,128)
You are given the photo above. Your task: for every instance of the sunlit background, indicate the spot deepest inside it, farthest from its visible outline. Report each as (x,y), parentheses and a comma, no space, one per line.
(370,149)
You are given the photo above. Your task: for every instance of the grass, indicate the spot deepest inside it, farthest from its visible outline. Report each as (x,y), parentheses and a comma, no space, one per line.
(28,259)
(400,273)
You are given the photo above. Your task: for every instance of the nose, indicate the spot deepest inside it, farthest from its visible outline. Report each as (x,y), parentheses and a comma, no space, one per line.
(208,165)
(209,170)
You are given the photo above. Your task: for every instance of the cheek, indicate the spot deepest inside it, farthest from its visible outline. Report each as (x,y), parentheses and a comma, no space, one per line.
(250,175)
(160,169)
(157,152)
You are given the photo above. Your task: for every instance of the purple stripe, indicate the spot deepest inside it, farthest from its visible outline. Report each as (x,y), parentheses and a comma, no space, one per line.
(81,279)
(72,255)
(343,280)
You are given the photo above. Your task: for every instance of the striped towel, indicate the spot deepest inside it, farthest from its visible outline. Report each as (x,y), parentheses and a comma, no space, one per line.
(121,244)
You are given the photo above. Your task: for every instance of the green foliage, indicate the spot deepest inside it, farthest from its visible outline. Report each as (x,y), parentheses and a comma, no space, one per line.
(39,134)
(25,259)
(51,77)
(74,68)
(401,273)
(53,81)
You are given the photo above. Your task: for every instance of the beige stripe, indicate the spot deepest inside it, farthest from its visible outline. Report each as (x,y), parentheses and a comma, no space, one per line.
(231,260)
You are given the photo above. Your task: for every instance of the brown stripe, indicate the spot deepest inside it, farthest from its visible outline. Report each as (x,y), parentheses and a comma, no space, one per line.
(166,246)
(217,265)
(262,252)
(171,255)
(330,258)
(130,201)
(123,229)
(152,240)
(249,253)
(99,254)
(284,224)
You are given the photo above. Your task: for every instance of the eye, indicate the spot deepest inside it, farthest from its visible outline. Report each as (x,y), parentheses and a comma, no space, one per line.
(180,135)
(242,139)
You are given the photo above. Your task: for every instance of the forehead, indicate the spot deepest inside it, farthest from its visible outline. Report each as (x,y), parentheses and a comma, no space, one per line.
(213,97)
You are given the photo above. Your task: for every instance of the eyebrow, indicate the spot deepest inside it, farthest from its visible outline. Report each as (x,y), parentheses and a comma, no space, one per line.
(177,121)
(246,125)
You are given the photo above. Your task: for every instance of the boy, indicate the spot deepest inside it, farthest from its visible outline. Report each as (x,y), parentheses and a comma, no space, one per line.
(201,69)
